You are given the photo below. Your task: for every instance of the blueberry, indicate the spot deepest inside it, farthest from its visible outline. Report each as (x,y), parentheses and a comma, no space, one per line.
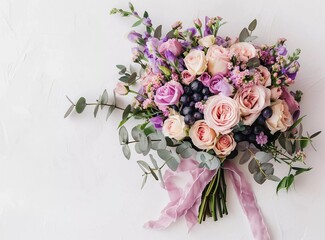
(260,120)
(187,90)
(198,115)
(206,91)
(187,110)
(252,137)
(175,108)
(247,130)
(258,129)
(205,98)
(196,97)
(185,99)
(267,112)
(189,120)
(239,137)
(192,104)
(196,86)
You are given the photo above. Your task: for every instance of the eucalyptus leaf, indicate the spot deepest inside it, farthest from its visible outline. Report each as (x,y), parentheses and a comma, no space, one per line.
(170,34)
(253,166)
(104,99)
(123,136)
(153,174)
(259,177)
(172,159)
(81,105)
(135,132)
(252,25)
(121,67)
(296,123)
(207,160)
(144,166)
(251,38)
(242,146)
(144,180)
(267,168)
(158,31)
(161,177)
(126,112)
(153,160)
(137,148)
(273,178)
(69,111)
(149,130)
(245,157)
(243,35)
(145,153)
(263,156)
(132,78)
(126,151)
(143,142)
(253,62)
(315,134)
(109,111)
(96,110)
(185,150)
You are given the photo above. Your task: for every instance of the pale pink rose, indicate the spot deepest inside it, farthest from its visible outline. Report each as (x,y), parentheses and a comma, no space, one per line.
(275,93)
(252,100)
(224,145)
(221,113)
(265,78)
(121,89)
(175,127)
(243,51)
(281,118)
(195,62)
(218,60)
(187,77)
(202,135)
(207,41)
(171,45)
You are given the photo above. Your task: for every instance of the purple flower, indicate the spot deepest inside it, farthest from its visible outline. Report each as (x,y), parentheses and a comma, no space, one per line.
(293,105)
(282,50)
(147,22)
(292,70)
(134,36)
(205,78)
(220,85)
(139,97)
(157,122)
(261,139)
(192,31)
(207,30)
(170,56)
(168,94)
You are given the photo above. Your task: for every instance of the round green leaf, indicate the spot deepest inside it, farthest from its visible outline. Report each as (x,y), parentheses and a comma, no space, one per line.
(81,105)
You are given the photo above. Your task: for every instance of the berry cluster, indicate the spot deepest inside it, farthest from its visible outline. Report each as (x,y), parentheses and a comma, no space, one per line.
(249,133)
(193,93)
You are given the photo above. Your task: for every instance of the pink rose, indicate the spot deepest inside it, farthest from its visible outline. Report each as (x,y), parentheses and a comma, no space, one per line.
(243,51)
(221,113)
(252,100)
(175,127)
(171,45)
(202,135)
(265,76)
(281,118)
(187,77)
(168,94)
(121,89)
(275,93)
(218,60)
(225,144)
(195,62)
(293,105)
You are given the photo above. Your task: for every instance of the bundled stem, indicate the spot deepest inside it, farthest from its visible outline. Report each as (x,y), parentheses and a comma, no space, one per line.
(214,198)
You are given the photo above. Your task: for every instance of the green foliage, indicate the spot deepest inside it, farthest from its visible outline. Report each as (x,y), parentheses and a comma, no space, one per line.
(81,105)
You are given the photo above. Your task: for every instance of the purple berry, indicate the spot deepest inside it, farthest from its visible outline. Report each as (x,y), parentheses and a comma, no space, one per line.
(196,97)
(267,112)
(196,86)
(198,115)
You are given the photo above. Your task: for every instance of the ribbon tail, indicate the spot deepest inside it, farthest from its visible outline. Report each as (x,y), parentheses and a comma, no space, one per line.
(248,202)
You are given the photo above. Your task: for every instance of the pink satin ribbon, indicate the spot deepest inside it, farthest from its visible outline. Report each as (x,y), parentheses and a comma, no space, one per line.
(248,202)
(183,200)
(186,200)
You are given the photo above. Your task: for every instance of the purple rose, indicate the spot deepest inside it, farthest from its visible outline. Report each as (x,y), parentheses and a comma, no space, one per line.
(171,45)
(282,50)
(168,94)
(205,78)
(157,122)
(293,105)
(220,85)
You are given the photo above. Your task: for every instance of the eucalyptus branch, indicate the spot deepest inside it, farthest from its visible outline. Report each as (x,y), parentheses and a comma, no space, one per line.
(105,104)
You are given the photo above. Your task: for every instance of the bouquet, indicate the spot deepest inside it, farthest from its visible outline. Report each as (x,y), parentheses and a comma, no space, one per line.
(206,102)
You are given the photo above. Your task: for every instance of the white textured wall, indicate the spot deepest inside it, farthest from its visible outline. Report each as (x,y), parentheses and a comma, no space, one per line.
(67,180)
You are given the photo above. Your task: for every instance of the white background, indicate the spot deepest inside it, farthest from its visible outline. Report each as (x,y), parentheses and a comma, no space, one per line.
(66,179)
